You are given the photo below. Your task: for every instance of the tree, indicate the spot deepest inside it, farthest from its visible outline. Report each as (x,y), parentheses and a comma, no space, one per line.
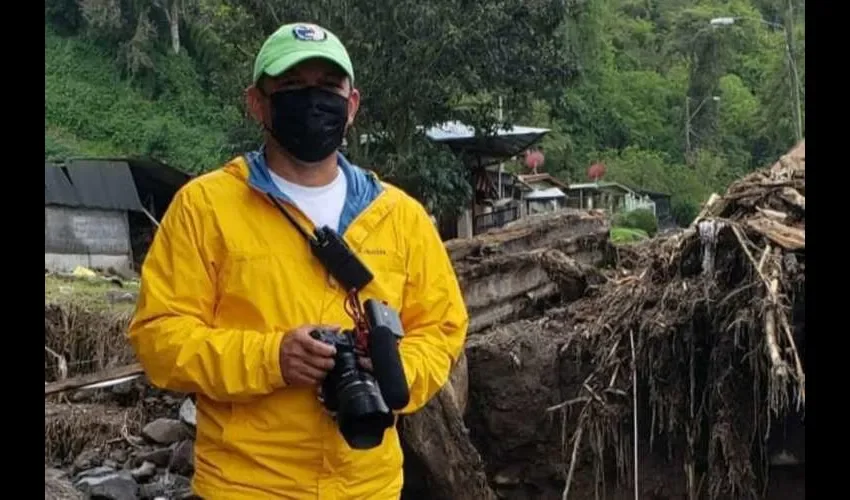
(419,63)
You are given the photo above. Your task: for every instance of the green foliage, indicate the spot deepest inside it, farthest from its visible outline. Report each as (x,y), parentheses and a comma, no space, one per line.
(87,100)
(666,100)
(445,190)
(640,218)
(626,235)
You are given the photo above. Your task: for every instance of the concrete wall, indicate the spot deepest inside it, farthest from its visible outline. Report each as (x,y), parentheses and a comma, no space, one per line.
(85,237)
(464,224)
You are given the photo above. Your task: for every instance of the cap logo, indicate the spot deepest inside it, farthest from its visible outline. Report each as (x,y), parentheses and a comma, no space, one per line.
(309,33)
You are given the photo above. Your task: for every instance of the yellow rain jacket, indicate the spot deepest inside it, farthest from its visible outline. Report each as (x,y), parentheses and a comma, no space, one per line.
(227,275)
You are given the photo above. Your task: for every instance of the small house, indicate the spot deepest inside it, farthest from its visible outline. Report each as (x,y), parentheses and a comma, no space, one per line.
(542,193)
(611,196)
(496,198)
(663,208)
(102,213)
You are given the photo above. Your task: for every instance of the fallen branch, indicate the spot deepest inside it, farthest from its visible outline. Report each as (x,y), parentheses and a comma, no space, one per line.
(634,411)
(84,381)
(779,366)
(772,214)
(573,460)
(793,197)
(61,363)
(712,201)
(790,238)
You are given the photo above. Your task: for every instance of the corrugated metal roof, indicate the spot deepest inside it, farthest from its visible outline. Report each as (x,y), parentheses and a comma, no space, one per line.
(57,187)
(96,184)
(477,150)
(454,130)
(552,192)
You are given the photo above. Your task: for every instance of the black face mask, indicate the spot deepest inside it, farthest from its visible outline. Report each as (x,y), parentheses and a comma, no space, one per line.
(309,123)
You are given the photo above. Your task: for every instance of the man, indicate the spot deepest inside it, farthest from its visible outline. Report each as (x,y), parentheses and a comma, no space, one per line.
(231,291)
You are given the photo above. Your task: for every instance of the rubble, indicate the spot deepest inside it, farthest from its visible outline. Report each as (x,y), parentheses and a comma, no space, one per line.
(108,484)
(522,268)
(705,325)
(58,486)
(121,453)
(165,431)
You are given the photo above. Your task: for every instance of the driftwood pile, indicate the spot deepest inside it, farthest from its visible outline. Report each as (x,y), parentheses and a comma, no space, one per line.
(689,357)
(711,325)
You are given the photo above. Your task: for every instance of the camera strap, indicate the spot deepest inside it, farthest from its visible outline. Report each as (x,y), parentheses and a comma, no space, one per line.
(352,302)
(333,253)
(310,239)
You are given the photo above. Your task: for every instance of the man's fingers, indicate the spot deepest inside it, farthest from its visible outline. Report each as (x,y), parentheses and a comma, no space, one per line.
(301,351)
(313,346)
(301,379)
(304,360)
(318,348)
(305,374)
(320,363)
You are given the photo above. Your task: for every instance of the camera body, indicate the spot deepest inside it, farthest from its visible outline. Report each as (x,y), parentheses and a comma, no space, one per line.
(364,402)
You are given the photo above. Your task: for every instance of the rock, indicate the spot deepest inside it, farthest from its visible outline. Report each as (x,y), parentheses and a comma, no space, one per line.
(144,472)
(183,458)
(121,296)
(124,388)
(170,400)
(509,476)
(110,463)
(57,486)
(119,455)
(188,413)
(165,431)
(112,486)
(50,472)
(136,440)
(170,486)
(159,457)
(94,472)
(86,460)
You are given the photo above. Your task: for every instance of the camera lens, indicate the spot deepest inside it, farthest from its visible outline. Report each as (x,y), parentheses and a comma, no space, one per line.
(354,396)
(363,415)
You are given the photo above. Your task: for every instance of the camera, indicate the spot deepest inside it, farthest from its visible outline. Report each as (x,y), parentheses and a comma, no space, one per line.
(364,402)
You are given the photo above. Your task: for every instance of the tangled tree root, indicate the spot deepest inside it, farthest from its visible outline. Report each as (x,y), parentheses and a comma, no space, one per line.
(711,313)
(80,340)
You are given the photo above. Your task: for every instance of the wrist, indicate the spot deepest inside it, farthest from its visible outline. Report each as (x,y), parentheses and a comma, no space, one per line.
(274,359)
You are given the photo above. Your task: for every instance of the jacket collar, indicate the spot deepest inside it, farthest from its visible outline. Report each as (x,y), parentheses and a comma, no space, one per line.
(363,187)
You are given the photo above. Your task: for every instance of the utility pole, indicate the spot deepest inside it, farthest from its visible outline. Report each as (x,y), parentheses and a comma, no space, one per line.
(687,125)
(689,116)
(501,165)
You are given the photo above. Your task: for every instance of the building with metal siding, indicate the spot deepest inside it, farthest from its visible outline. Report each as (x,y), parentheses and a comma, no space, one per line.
(102,213)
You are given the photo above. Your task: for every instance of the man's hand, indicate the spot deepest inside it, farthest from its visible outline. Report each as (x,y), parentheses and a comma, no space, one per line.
(304,360)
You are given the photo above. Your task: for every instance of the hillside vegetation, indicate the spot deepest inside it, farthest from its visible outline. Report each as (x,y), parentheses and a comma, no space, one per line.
(664,98)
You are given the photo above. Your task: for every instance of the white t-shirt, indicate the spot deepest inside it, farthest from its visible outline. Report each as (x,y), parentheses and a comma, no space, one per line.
(322,204)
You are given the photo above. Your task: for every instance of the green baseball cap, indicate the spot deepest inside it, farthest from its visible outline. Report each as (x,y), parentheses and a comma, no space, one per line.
(297,42)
